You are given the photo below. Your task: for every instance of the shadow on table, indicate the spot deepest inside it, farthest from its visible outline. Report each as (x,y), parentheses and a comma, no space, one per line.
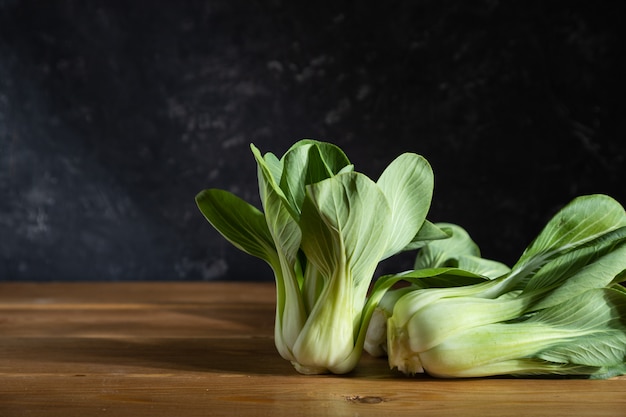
(254,355)
(157,356)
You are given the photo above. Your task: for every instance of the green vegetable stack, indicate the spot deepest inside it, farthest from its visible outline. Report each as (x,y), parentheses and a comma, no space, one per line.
(560,310)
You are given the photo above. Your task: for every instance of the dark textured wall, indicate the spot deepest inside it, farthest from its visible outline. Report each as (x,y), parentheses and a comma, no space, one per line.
(113,115)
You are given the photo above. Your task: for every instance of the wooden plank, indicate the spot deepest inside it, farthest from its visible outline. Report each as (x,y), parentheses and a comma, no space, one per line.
(168,395)
(164,349)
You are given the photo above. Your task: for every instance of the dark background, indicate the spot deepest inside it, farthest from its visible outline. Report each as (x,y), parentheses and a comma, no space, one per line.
(113,115)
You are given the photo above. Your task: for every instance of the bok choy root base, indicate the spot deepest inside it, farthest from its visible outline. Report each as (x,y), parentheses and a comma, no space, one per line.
(324,227)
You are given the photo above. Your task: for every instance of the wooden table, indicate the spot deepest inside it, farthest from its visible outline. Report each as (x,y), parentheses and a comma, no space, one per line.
(206,349)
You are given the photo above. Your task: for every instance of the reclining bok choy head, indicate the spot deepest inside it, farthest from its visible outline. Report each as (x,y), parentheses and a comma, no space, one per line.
(560,310)
(323,230)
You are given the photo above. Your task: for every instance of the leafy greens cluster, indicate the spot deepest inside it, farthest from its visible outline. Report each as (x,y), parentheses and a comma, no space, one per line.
(323,230)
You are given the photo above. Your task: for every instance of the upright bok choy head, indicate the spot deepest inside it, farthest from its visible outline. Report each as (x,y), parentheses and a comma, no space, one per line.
(560,309)
(323,230)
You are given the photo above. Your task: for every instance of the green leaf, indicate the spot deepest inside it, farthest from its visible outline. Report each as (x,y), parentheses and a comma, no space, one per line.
(458,250)
(308,162)
(273,165)
(345,222)
(280,217)
(592,266)
(427,232)
(333,159)
(442,278)
(239,222)
(440,253)
(596,323)
(582,220)
(407,183)
(481,266)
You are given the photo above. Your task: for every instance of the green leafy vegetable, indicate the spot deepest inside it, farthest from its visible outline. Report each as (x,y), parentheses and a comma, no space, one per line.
(323,230)
(559,310)
(324,227)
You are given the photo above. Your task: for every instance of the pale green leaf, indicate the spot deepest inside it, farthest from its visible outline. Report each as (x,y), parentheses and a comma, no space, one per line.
(582,220)
(481,266)
(239,222)
(345,222)
(439,253)
(596,325)
(425,234)
(576,272)
(306,163)
(281,219)
(407,183)
(459,251)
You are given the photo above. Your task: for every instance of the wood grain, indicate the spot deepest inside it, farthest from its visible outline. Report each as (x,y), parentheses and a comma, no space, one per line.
(206,349)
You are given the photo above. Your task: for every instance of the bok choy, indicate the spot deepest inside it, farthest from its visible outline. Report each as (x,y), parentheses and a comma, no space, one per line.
(560,310)
(323,229)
